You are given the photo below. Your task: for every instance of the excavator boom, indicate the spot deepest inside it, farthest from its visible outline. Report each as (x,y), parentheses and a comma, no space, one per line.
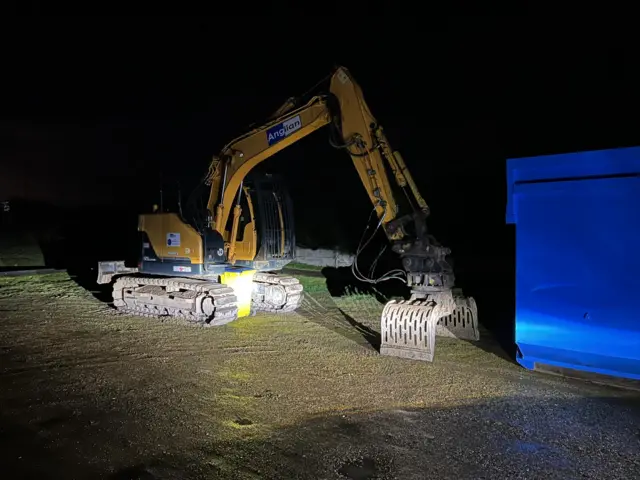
(344,107)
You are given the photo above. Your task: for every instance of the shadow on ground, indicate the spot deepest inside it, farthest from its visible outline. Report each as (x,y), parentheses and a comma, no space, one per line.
(81,264)
(77,239)
(341,284)
(545,436)
(372,337)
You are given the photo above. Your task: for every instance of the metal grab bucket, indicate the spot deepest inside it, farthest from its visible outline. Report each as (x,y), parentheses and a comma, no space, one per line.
(409,327)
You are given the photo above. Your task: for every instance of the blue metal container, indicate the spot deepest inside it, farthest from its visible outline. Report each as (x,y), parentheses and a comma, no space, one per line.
(577,220)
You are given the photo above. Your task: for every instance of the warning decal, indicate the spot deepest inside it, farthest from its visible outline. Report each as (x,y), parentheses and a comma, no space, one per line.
(173,239)
(181,269)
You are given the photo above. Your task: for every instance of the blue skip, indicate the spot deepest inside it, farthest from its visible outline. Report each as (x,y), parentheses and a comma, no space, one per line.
(577,223)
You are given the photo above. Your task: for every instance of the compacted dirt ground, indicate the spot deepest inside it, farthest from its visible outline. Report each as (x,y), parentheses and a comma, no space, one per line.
(87,394)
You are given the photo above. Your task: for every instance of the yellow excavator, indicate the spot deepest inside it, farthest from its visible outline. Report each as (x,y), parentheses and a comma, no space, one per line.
(227,264)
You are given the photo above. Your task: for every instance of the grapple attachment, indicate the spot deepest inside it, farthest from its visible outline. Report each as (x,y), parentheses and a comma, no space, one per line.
(409,327)
(462,323)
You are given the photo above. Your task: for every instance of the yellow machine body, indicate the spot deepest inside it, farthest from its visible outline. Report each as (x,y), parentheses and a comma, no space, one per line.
(238,243)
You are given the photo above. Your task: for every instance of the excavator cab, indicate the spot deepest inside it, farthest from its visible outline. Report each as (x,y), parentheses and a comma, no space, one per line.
(269,242)
(264,239)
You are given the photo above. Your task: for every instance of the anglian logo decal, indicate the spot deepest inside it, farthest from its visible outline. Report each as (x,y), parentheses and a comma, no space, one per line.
(284,129)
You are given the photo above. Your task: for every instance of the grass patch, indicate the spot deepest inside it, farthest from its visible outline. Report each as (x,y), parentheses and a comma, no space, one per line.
(55,284)
(304,266)
(313,284)
(232,399)
(20,250)
(243,376)
(239,424)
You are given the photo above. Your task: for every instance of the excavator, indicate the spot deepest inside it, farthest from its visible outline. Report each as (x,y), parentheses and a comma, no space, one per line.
(228,264)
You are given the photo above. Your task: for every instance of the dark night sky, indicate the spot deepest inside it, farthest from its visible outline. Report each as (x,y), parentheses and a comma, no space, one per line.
(94,110)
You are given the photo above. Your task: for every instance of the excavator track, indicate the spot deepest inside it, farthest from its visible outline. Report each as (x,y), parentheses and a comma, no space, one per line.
(200,302)
(409,327)
(276,293)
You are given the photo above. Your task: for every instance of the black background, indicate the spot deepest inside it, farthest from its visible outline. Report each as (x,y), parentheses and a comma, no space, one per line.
(96,113)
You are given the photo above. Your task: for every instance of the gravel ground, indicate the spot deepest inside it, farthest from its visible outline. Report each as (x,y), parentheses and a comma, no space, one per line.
(86,393)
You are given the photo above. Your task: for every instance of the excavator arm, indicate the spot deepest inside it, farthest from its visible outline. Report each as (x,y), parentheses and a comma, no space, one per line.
(355,130)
